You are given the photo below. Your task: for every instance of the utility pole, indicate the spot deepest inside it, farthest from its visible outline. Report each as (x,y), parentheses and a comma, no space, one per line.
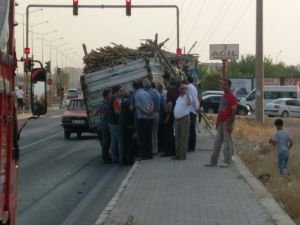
(259,65)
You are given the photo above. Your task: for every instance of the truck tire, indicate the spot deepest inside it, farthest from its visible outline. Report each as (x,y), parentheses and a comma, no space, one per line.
(67,134)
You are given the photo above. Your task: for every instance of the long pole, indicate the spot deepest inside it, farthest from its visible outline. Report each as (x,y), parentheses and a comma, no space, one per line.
(108,6)
(259,65)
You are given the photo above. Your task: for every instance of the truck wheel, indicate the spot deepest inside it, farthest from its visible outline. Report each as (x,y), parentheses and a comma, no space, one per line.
(67,134)
(79,134)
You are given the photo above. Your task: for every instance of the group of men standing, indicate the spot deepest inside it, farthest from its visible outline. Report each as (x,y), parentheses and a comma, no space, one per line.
(145,122)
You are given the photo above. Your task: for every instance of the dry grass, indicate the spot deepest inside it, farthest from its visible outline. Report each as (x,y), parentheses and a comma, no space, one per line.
(251,143)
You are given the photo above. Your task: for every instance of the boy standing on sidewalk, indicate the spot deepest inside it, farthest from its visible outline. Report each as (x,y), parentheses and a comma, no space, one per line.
(284,142)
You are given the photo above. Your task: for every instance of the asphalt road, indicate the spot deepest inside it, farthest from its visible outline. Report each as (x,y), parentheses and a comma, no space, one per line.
(62,181)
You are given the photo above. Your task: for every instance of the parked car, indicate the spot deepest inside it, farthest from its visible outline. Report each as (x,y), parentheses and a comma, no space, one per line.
(72,93)
(74,119)
(211,93)
(284,107)
(210,104)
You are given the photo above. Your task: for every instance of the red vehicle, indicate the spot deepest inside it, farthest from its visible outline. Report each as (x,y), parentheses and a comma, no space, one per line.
(9,134)
(74,119)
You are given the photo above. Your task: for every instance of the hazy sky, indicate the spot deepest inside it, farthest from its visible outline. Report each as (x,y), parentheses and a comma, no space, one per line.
(204,21)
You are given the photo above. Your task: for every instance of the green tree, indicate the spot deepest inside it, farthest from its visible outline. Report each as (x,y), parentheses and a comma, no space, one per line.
(245,68)
(62,78)
(212,81)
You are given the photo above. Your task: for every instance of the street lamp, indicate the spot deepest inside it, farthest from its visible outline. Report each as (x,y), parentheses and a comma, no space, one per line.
(278,55)
(56,48)
(32,26)
(50,44)
(42,38)
(23,22)
(65,54)
(50,48)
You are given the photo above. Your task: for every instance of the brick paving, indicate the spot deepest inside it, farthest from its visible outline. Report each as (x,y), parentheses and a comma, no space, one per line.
(170,192)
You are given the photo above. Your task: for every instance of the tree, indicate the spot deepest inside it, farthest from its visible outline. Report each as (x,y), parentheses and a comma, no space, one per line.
(62,78)
(245,68)
(212,81)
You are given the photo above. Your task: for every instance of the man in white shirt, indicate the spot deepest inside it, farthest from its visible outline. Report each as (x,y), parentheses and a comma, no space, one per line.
(192,90)
(182,122)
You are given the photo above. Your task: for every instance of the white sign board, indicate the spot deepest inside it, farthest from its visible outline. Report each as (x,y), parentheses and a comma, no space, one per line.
(223,51)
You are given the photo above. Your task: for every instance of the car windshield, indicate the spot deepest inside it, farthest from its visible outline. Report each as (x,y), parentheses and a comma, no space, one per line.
(278,101)
(72,94)
(76,105)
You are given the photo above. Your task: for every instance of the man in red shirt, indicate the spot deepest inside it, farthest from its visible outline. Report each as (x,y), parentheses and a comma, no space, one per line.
(224,126)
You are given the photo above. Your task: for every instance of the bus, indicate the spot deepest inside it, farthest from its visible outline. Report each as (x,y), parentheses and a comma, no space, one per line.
(271,93)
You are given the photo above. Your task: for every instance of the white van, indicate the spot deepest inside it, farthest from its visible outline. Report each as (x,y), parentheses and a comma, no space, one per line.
(271,93)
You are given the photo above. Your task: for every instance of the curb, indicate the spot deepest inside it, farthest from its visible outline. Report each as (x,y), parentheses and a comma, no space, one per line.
(110,206)
(264,197)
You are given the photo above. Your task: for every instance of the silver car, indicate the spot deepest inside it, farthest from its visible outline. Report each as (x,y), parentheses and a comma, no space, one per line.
(284,107)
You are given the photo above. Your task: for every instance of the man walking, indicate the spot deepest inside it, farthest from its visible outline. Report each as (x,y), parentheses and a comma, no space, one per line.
(20,96)
(224,125)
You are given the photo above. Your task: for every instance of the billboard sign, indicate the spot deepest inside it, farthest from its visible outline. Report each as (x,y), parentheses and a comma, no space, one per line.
(223,51)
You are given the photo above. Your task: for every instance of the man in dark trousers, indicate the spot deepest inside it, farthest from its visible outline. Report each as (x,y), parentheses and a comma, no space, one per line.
(194,109)
(113,119)
(127,128)
(172,95)
(144,110)
(104,134)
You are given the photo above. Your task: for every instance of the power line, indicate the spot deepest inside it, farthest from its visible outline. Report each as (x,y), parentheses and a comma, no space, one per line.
(213,23)
(196,21)
(174,27)
(218,24)
(184,19)
(239,20)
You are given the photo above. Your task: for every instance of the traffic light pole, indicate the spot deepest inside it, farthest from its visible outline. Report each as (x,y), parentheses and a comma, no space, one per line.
(89,6)
(101,7)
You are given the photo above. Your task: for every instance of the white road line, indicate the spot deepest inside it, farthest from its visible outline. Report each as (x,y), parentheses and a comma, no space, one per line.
(55,116)
(41,140)
(89,200)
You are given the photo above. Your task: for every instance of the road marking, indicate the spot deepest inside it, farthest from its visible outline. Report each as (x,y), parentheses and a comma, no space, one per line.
(55,116)
(110,206)
(74,216)
(42,140)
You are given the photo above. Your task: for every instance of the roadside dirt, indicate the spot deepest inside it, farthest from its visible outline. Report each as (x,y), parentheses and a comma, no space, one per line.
(251,144)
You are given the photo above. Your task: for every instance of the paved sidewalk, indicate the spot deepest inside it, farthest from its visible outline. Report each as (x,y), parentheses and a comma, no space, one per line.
(169,192)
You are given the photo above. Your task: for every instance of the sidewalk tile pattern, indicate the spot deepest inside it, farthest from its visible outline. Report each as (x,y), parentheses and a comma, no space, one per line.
(170,192)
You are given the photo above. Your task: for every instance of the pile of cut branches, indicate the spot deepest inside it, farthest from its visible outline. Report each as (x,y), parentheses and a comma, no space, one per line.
(109,56)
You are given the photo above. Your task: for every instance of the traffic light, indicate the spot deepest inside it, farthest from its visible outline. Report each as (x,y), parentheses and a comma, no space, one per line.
(75,7)
(27,65)
(128,7)
(48,66)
